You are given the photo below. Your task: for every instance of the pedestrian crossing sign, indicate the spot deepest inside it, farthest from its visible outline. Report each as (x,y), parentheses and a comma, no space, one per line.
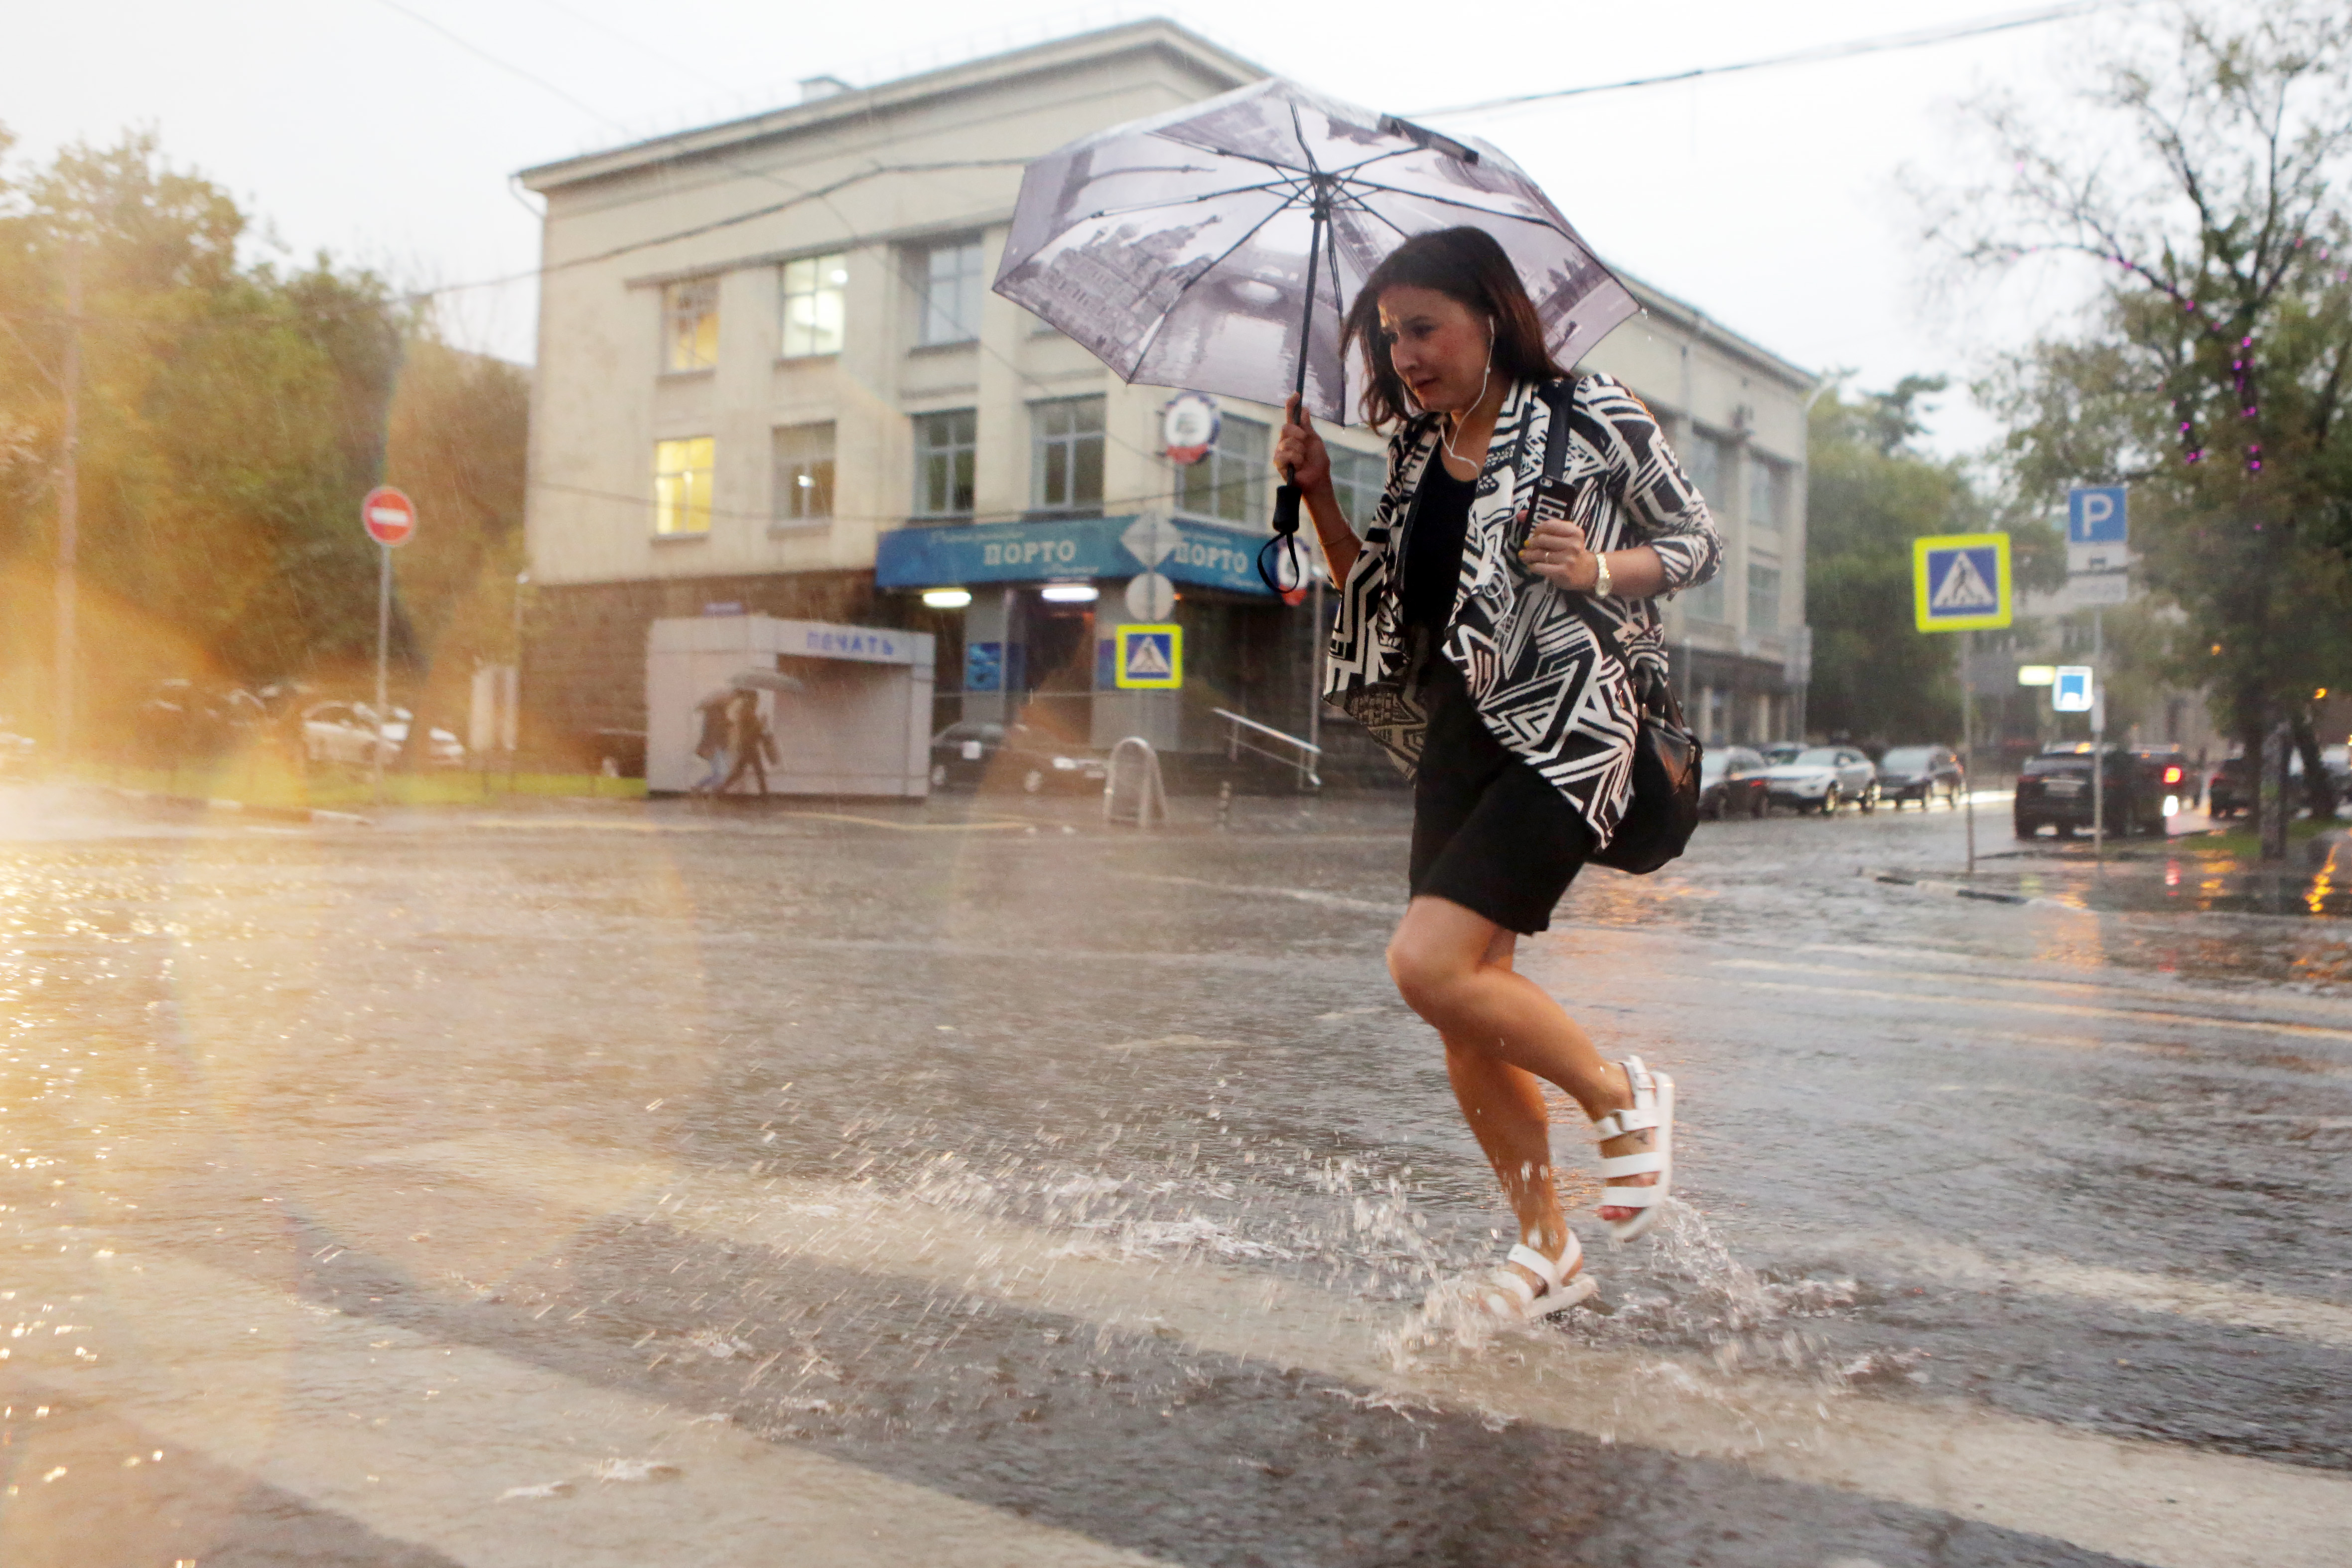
(1150,659)
(1960,582)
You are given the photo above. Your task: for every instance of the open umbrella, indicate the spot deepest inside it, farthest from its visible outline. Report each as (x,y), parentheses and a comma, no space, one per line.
(1218,246)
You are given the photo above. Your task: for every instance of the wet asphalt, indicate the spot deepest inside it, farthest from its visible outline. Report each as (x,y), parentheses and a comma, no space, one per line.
(2066,1163)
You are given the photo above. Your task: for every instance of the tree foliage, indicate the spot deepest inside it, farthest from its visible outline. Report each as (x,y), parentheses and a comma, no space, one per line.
(1871,491)
(233,413)
(2211,371)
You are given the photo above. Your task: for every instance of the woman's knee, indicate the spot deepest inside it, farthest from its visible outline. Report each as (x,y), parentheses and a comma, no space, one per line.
(1426,977)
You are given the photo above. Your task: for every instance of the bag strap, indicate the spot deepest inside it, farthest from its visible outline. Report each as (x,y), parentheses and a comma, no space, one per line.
(1659,694)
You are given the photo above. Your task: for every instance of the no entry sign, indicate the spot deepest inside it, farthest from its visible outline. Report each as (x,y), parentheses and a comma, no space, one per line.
(389,516)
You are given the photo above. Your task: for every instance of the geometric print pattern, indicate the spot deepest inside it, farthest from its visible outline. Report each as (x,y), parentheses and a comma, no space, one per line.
(1542,682)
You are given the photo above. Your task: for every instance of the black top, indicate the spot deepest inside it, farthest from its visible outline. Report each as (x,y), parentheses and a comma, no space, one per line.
(1433,546)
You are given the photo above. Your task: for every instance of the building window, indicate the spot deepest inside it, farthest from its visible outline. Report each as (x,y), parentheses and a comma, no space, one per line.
(1707,601)
(1767,492)
(1357,479)
(952,287)
(815,288)
(1706,460)
(1763,598)
(803,491)
(690,324)
(944,444)
(1229,483)
(682,486)
(1066,466)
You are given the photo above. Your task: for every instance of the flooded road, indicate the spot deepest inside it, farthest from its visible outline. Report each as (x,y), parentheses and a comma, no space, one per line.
(613,1185)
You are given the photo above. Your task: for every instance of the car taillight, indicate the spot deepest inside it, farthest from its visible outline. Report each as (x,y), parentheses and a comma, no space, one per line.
(2173,775)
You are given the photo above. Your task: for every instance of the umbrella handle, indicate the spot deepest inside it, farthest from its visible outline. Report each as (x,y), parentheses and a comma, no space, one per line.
(1286,509)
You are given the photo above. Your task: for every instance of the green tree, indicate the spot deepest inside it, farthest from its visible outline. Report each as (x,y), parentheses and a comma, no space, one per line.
(2211,370)
(233,414)
(1871,491)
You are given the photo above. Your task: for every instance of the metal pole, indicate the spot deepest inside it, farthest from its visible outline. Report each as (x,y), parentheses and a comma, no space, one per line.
(513,727)
(382,647)
(1318,638)
(1969,740)
(68,510)
(2099,739)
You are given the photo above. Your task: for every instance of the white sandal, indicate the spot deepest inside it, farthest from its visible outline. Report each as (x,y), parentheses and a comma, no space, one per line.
(1564,1284)
(1654,1109)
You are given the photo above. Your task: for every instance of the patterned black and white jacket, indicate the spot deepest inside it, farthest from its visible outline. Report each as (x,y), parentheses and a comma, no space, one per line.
(1542,682)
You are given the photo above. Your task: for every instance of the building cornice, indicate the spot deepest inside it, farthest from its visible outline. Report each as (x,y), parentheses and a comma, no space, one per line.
(1152,36)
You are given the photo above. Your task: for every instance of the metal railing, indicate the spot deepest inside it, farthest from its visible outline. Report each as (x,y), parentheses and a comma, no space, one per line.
(1304,756)
(1150,791)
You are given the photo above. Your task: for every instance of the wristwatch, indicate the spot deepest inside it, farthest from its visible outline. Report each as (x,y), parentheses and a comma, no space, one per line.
(1601,583)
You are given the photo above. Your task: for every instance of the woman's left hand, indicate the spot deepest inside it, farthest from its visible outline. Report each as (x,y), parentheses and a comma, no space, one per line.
(1555,551)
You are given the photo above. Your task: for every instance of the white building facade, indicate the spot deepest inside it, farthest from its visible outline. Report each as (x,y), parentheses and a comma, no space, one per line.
(773,379)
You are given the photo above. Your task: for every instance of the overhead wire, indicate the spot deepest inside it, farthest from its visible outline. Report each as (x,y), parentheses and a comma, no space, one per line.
(1818,54)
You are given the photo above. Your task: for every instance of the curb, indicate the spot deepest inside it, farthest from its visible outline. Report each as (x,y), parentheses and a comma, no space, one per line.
(1962,890)
(315,816)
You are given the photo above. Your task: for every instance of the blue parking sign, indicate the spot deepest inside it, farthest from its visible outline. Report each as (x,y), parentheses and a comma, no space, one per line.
(2098,514)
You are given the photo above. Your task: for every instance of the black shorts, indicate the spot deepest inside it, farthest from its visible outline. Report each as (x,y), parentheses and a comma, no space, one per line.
(1489,832)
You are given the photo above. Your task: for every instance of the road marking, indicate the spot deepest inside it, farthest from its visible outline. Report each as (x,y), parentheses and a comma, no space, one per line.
(2131,1499)
(2209,1301)
(1300,895)
(1971,977)
(417,1440)
(2064,1009)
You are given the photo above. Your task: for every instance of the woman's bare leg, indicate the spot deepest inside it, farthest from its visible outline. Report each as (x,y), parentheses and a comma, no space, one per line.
(1444,959)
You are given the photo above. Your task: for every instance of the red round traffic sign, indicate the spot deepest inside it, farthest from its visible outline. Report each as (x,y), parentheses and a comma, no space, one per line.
(389,516)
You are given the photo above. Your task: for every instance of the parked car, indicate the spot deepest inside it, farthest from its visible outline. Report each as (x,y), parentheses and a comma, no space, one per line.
(1822,778)
(1732,783)
(16,752)
(349,734)
(978,754)
(2229,789)
(2053,791)
(1920,773)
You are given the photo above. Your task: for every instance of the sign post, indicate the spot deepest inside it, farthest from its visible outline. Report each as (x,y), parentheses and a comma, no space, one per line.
(2098,554)
(389,518)
(1961,582)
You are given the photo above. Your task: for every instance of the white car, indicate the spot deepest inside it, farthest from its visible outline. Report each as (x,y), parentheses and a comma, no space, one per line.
(349,733)
(1822,778)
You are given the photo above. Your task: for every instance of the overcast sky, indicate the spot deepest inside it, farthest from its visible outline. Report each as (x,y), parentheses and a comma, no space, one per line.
(1769,200)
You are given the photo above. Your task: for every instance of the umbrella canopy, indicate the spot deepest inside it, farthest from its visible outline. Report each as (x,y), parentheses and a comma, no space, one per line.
(744,680)
(1216,247)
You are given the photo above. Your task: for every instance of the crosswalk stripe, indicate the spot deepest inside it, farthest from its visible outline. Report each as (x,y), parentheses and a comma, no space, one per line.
(2152,1503)
(418,1440)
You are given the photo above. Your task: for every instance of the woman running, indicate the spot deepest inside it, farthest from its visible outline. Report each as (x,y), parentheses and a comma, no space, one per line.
(1460,646)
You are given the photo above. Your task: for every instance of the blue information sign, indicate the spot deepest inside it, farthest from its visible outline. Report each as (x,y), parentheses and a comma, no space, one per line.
(2098,514)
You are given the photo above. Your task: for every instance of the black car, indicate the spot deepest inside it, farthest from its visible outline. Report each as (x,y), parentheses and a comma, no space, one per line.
(978,754)
(2053,791)
(1920,773)
(1731,782)
(2231,790)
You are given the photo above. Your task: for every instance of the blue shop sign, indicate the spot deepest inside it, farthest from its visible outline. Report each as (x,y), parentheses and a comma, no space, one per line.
(1075,548)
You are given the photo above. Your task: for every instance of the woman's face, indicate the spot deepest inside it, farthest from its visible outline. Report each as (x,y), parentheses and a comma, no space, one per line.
(1439,347)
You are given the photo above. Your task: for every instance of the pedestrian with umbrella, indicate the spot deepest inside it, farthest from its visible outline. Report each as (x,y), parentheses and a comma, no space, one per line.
(1496,629)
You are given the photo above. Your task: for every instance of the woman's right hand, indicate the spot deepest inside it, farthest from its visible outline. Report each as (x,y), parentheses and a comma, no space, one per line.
(1300,452)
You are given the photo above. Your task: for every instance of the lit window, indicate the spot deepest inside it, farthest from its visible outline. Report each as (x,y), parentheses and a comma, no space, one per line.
(944,444)
(690,324)
(682,486)
(815,288)
(1066,453)
(1768,490)
(952,286)
(1763,598)
(1358,478)
(803,491)
(1229,484)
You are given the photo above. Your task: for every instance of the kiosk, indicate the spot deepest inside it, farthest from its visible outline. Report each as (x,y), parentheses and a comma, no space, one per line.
(858,722)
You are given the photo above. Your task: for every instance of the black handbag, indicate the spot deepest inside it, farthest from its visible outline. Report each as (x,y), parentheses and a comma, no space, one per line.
(1664,811)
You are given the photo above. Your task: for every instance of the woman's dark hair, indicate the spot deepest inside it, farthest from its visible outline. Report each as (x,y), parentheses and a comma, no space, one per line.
(1463,264)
